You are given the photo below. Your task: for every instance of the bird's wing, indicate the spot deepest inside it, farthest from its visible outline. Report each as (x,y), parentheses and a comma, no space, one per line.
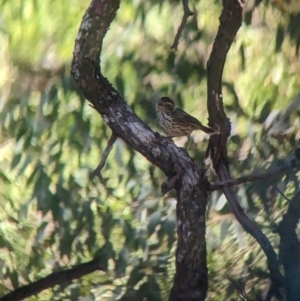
(180,114)
(187,118)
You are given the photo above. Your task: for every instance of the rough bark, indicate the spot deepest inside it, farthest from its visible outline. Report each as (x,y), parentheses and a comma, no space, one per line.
(190,281)
(230,22)
(289,249)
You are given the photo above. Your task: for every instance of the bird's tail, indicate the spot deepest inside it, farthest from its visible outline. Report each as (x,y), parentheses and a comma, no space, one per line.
(209,130)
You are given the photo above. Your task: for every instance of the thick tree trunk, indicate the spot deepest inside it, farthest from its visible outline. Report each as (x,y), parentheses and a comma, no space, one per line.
(190,281)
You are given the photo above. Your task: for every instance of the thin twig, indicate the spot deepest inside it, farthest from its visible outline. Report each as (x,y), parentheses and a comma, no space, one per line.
(280,192)
(186,13)
(97,171)
(249,178)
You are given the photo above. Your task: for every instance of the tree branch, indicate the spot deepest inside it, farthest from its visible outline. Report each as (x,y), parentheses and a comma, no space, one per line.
(186,13)
(230,22)
(249,178)
(54,279)
(252,228)
(97,171)
(280,192)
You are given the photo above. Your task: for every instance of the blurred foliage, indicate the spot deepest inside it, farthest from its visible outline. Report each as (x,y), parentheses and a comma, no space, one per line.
(53,217)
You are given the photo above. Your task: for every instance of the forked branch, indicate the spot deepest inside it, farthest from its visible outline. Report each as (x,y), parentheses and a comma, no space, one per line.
(230,22)
(186,13)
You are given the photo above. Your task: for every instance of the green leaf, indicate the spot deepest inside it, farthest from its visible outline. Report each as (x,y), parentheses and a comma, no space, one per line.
(154,221)
(16,160)
(3,177)
(221,203)
(13,276)
(279,38)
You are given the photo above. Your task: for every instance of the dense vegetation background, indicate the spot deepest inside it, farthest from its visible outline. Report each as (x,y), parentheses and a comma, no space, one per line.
(53,217)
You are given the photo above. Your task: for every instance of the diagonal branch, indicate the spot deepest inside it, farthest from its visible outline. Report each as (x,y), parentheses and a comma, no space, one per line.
(97,171)
(249,178)
(54,279)
(280,192)
(252,228)
(115,112)
(186,13)
(230,22)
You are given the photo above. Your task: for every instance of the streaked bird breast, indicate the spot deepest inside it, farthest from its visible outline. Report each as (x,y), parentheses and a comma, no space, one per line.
(172,126)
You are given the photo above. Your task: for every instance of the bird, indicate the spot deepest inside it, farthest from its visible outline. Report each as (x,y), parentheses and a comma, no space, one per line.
(175,122)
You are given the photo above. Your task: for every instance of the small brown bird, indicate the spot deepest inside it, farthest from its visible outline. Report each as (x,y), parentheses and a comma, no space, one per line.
(176,122)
